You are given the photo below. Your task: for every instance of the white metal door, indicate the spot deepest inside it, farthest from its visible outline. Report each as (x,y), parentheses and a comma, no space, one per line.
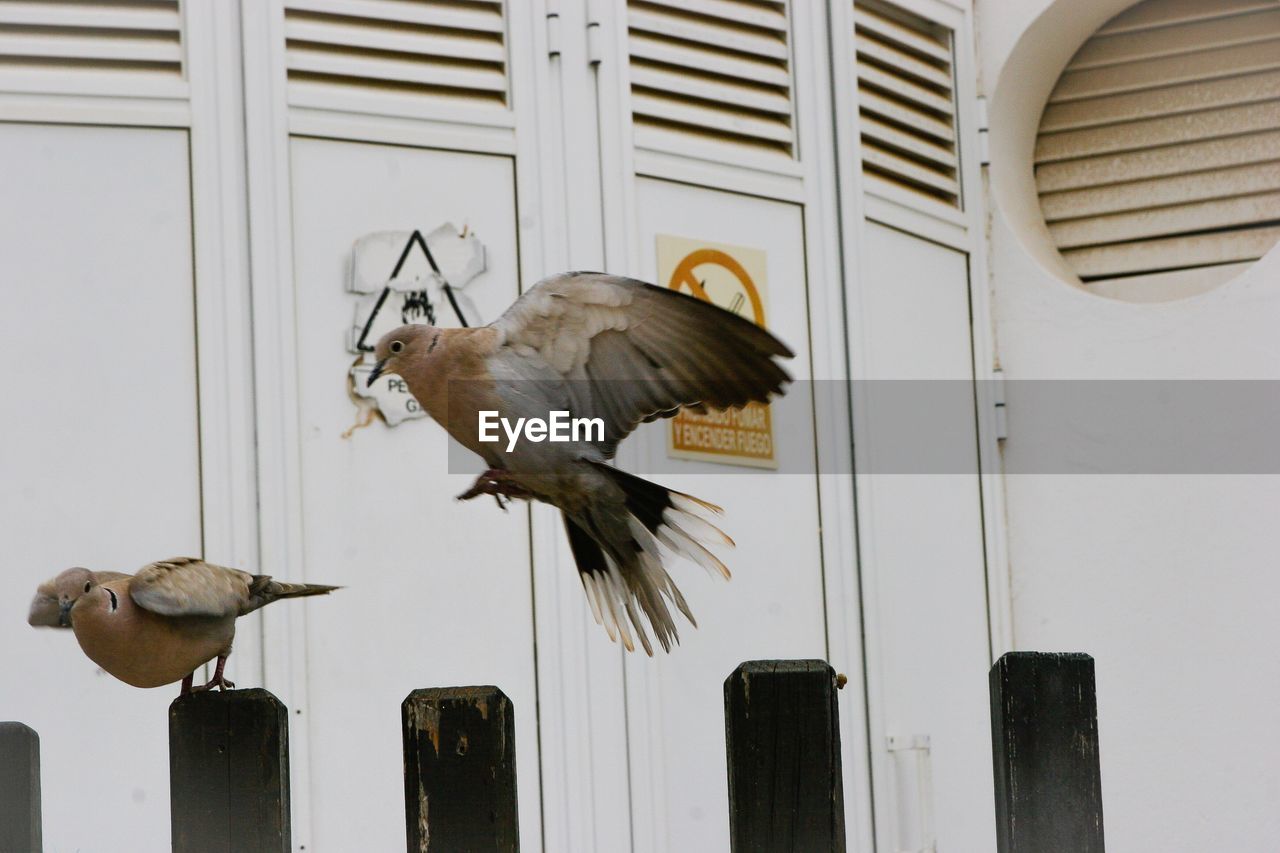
(772,607)
(437,592)
(930,538)
(710,129)
(96,269)
(357,124)
(924,597)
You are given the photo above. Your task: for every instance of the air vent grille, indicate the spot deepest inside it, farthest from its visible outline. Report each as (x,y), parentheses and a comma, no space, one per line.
(716,71)
(1159,150)
(906,102)
(71,45)
(443,50)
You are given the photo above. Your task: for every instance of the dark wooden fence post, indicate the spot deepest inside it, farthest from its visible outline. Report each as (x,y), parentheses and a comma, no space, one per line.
(1044,738)
(19,789)
(782,727)
(229,772)
(460,770)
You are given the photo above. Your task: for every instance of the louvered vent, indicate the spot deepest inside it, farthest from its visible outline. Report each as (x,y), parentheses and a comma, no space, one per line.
(91,46)
(713,70)
(906,102)
(1159,149)
(444,50)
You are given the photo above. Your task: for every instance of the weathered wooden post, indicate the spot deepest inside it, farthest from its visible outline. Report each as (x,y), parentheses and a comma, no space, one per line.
(229,772)
(460,770)
(1044,739)
(19,789)
(782,728)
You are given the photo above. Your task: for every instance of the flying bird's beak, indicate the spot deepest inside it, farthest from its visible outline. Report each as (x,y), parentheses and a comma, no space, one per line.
(375,373)
(64,614)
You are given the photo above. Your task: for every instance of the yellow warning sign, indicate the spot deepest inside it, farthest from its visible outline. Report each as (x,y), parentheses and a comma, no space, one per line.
(732,277)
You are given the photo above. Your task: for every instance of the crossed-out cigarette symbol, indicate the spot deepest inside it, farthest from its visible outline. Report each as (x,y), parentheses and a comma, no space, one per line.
(683,277)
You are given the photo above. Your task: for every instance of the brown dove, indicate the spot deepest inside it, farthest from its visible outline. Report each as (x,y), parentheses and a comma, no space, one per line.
(600,347)
(157,626)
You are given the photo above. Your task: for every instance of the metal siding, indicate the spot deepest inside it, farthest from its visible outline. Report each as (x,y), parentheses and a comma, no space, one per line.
(713,70)
(65,42)
(430,50)
(906,100)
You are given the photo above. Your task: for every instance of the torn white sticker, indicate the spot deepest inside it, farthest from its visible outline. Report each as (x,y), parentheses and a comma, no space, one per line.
(389,393)
(393,276)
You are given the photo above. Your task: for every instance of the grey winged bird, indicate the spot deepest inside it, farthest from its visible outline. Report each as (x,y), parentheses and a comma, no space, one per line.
(597,346)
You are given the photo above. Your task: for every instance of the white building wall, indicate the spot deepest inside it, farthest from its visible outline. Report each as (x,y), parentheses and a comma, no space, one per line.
(1165,580)
(1169,580)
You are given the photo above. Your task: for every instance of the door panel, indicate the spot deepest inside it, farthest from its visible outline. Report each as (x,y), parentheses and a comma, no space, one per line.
(773,606)
(96,269)
(437,592)
(923,560)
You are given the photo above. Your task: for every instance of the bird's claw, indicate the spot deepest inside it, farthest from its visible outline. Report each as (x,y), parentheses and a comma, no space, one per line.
(218,682)
(475,491)
(498,483)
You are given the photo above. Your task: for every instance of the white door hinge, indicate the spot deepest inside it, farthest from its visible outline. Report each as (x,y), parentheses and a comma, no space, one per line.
(911,759)
(984,132)
(553,28)
(997,399)
(595,50)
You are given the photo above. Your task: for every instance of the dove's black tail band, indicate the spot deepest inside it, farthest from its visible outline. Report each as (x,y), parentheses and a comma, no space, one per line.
(586,553)
(615,542)
(645,500)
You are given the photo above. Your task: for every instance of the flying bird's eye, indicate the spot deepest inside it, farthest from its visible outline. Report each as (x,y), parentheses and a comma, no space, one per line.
(87,585)
(397,347)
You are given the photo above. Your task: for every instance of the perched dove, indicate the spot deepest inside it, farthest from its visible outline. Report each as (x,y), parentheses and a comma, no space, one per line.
(606,347)
(157,626)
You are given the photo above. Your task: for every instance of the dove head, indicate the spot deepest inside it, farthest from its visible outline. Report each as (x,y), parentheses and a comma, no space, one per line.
(99,597)
(54,599)
(399,345)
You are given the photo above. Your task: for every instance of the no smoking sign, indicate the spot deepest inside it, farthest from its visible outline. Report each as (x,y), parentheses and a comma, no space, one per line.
(732,277)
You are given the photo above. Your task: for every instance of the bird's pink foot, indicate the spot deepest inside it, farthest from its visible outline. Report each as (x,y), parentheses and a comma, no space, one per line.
(498,483)
(217,681)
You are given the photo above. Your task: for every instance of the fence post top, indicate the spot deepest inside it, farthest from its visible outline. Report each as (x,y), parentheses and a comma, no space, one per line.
(437,695)
(749,668)
(222,698)
(1041,659)
(12,726)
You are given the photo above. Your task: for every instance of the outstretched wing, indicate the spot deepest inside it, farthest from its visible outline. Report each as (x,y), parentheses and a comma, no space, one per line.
(632,352)
(187,586)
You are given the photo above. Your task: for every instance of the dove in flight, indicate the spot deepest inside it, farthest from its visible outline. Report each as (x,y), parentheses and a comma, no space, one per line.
(602,347)
(157,626)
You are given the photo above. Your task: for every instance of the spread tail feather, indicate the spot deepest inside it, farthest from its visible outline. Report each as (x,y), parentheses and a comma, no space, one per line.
(620,564)
(671,517)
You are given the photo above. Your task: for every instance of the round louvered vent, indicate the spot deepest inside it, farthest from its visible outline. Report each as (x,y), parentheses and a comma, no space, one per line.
(1158,154)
